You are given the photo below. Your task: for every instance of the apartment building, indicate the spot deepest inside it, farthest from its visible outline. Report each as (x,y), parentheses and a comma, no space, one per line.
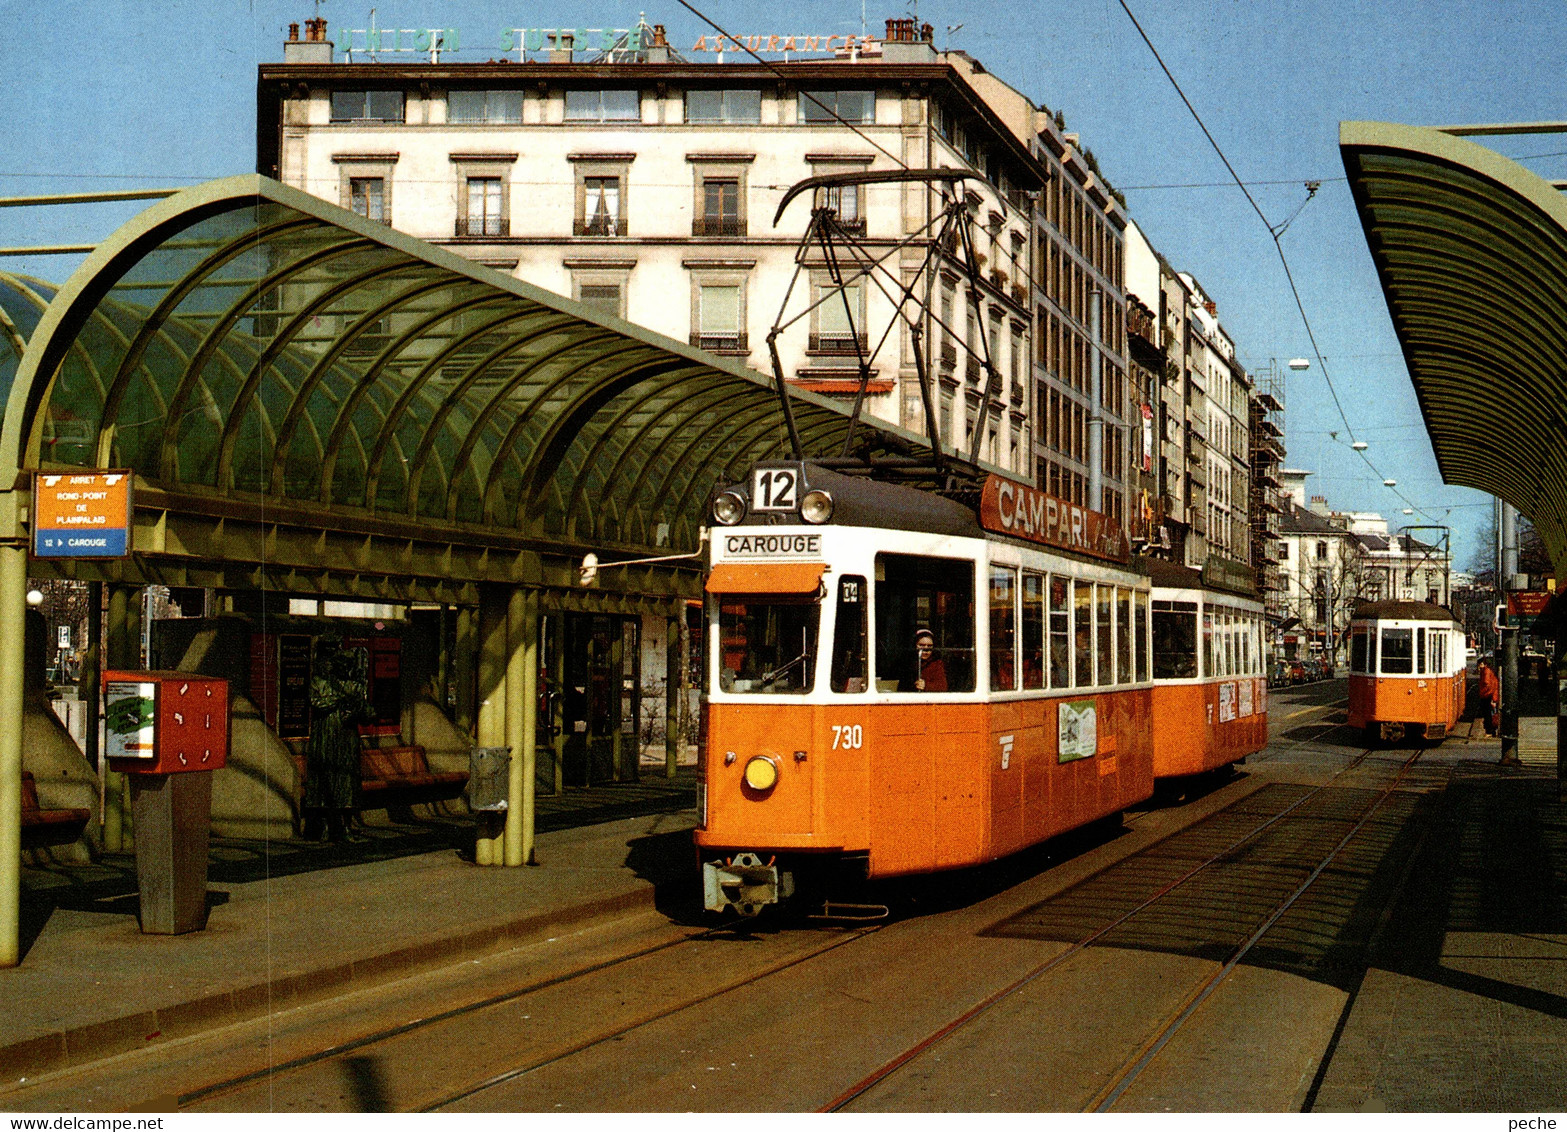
(644,185)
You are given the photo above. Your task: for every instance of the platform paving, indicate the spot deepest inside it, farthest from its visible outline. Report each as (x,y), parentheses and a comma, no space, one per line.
(293,921)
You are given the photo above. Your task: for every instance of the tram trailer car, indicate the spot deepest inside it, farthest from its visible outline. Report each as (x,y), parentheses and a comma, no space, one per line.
(837,752)
(1210,691)
(1406,670)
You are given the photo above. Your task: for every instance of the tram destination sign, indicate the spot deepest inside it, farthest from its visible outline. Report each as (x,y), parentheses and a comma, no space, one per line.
(1011,508)
(82,514)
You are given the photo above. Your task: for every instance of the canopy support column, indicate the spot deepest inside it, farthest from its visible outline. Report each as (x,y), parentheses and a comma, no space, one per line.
(674,690)
(123,651)
(490,845)
(13,627)
(522,697)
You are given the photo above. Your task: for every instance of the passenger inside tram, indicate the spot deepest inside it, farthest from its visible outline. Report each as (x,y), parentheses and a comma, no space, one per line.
(931,673)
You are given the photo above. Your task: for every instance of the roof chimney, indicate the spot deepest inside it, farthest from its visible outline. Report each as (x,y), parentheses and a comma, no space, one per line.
(564,42)
(657,49)
(314,48)
(907,42)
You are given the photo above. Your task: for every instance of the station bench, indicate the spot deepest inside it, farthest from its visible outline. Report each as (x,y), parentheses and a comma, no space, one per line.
(396,773)
(42,828)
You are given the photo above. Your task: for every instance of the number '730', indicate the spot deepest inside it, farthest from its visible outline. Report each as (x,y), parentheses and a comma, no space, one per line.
(847,736)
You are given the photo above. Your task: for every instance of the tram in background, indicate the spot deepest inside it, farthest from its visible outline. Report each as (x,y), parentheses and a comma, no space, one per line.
(900,683)
(1406,670)
(1210,695)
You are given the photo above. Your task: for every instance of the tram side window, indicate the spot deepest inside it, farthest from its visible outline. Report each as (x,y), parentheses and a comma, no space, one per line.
(1123,636)
(1397,652)
(917,594)
(1060,632)
(1141,620)
(1208,668)
(1357,650)
(1420,651)
(1083,633)
(1174,640)
(1003,602)
(849,654)
(1104,653)
(767,643)
(1032,646)
(1244,628)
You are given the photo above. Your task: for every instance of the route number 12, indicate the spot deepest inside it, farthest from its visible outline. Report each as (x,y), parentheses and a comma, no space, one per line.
(775,489)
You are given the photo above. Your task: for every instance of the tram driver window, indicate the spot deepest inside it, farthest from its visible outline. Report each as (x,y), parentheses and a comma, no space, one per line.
(767,643)
(1398,654)
(916,595)
(1174,640)
(848,636)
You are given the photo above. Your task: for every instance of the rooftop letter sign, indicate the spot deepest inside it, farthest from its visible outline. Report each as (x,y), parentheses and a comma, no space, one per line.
(81,514)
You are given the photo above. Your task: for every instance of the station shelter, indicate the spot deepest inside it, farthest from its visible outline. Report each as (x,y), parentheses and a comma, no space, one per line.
(1471,251)
(316,408)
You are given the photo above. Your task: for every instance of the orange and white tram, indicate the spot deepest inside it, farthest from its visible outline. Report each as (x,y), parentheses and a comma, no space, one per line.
(893,688)
(1210,694)
(1406,670)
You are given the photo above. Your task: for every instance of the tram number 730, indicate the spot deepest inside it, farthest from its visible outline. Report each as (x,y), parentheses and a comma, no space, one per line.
(775,489)
(847,736)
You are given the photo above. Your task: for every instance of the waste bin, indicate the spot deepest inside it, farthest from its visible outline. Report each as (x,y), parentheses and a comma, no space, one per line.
(168,731)
(489,779)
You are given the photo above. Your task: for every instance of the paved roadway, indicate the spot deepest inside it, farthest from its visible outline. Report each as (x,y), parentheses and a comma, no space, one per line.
(1250,942)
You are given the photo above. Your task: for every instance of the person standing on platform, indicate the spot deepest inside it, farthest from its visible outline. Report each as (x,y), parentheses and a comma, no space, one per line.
(338,701)
(1490,697)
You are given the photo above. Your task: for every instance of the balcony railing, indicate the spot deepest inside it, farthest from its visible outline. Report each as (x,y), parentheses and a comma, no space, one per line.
(836,343)
(721,343)
(855,227)
(718,226)
(949,355)
(600,226)
(471,226)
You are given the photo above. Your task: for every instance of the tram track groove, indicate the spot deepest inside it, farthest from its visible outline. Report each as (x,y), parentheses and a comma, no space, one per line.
(1105,1100)
(891,1067)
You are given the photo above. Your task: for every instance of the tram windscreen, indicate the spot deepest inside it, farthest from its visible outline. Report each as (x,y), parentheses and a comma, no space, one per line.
(767,643)
(1174,640)
(916,595)
(1398,652)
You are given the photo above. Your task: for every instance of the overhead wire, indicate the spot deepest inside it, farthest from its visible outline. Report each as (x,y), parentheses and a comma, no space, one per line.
(1275,232)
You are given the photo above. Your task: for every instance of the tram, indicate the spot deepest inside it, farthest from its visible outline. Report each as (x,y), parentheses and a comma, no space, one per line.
(1406,670)
(901,683)
(1210,693)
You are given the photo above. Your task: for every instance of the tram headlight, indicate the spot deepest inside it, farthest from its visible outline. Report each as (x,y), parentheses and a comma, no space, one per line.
(816,507)
(729,508)
(761,773)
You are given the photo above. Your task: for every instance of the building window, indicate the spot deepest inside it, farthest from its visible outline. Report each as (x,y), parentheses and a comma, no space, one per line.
(741,106)
(495,106)
(602,106)
(1322,550)
(601,298)
(718,315)
(838,318)
(855,106)
(367,106)
(844,200)
(484,208)
(721,214)
(601,215)
(367,198)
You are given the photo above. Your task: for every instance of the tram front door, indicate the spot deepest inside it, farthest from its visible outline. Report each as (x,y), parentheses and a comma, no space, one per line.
(602,699)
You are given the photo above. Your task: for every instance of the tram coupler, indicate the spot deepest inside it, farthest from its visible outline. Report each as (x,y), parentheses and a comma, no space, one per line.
(744,883)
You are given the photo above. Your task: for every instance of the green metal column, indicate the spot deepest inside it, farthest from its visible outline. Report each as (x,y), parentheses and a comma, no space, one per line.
(489,848)
(122,650)
(465,659)
(13,627)
(522,692)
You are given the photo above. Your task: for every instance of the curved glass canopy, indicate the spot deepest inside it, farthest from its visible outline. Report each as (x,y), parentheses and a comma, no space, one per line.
(243,340)
(1472,253)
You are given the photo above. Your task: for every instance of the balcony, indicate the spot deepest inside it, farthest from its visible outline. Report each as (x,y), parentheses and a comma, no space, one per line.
(600,226)
(722,343)
(949,355)
(482,227)
(718,226)
(850,227)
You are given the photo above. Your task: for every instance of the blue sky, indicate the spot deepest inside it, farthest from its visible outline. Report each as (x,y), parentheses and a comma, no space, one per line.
(109,94)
